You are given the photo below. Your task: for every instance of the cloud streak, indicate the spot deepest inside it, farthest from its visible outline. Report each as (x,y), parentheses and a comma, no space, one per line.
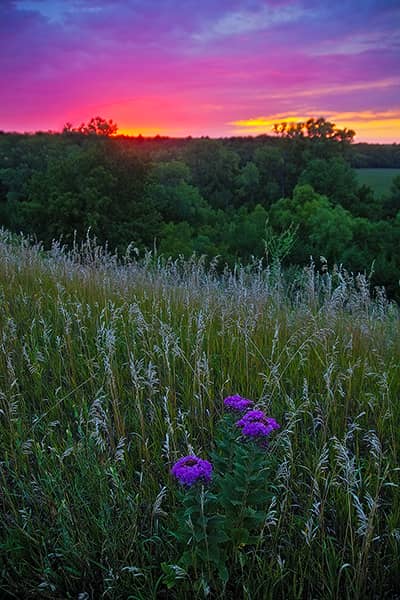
(243,22)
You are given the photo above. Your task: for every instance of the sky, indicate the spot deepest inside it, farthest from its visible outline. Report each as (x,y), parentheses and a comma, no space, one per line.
(201,67)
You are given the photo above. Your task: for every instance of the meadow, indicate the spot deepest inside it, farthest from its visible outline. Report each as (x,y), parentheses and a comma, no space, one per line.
(379,180)
(112,370)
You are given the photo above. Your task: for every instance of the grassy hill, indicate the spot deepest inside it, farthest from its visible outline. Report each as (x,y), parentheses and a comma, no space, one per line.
(109,373)
(379,180)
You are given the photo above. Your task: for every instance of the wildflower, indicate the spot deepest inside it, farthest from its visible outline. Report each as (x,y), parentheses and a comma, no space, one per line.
(237,403)
(191,469)
(256,424)
(249,417)
(256,429)
(272,423)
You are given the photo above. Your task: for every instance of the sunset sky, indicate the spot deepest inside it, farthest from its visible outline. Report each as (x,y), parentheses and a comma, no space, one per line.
(209,67)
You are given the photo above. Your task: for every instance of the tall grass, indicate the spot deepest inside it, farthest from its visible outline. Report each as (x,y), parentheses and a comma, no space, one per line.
(111,371)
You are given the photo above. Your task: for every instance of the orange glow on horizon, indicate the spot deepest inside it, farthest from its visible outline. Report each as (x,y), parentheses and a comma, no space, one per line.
(380,127)
(143,131)
(371,127)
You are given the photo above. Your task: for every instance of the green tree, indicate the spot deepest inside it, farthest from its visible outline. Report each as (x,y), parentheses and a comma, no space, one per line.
(245,232)
(333,178)
(170,190)
(272,170)
(94,186)
(366,205)
(322,229)
(176,239)
(214,169)
(248,183)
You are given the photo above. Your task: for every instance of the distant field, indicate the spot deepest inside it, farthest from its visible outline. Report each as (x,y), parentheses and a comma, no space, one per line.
(379,180)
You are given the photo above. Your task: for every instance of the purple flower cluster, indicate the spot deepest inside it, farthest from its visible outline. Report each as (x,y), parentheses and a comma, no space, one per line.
(191,469)
(237,403)
(256,424)
(249,417)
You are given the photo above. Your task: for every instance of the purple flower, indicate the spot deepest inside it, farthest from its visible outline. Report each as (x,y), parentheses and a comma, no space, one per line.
(256,429)
(249,417)
(256,424)
(272,423)
(237,403)
(191,469)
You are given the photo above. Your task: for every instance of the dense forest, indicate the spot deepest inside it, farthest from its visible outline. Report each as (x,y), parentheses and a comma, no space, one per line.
(290,196)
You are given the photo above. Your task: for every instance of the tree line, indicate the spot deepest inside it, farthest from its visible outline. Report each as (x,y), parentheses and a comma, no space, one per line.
(223,197)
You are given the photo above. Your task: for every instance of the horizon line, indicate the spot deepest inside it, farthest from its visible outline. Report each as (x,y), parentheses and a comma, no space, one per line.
(162,136)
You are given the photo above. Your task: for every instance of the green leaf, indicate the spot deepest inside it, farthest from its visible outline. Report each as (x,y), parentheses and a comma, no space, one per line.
(223,573)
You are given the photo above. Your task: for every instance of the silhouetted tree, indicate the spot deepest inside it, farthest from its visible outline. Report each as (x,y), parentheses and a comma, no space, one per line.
(314,129)
(96,126)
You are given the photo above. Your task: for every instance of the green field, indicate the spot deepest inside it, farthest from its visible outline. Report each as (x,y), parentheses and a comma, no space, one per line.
(380,180)
(109,373)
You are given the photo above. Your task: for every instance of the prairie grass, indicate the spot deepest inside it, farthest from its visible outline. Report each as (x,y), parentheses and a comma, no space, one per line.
(110,371)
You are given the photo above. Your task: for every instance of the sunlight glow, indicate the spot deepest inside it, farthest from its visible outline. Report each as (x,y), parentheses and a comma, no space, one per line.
(380,127)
